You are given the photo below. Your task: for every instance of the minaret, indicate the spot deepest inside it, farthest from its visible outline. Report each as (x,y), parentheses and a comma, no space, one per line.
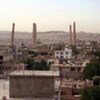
(74,33)
(70,34)
(34,34)
(12,36)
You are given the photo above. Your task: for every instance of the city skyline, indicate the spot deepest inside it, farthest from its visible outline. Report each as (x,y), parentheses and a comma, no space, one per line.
(50,14)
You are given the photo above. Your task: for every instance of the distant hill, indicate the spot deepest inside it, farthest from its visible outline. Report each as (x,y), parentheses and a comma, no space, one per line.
(50,36)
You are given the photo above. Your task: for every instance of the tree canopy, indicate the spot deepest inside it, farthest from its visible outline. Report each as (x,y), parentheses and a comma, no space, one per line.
(92,69)
(37,65)
(75,51)
(96,54)
(59,46)
(90,93)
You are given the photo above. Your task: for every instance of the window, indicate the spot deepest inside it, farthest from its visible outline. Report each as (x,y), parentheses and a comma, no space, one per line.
(61,53)
(57,56)
(63,92)
(57,52)
(61,56)
(73,69)
(79,69)
(66,52)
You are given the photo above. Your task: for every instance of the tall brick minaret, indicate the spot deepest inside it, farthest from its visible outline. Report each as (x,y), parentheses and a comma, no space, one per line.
(70,34)
(13,33)
(74,33)
(34,34)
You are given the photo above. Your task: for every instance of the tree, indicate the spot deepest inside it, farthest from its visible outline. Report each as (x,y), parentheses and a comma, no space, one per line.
(75,51)
(86,94)
(92,69)
(90,93)
(30,63)
(37,65)
(32,53)
(96,80)
(96,54)
(59,46)
(44,65)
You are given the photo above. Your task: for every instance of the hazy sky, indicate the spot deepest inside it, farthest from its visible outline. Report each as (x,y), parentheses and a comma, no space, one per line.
(50,14)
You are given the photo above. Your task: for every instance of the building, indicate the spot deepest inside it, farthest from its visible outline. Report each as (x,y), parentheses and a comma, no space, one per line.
(92,46)
(67,53)
(70,89)
(69,71)
(33,84)
(70,68)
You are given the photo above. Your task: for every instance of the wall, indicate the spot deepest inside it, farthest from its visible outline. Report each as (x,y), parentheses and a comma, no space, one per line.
(30,86)
(74,75)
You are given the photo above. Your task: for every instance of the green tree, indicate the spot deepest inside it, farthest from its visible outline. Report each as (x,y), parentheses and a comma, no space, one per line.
(96,80)
(92,69)
(44,65)
(37,65)
(59,46)
(32,53)
(75,51)
(30,63)
(96,54)
(90,93)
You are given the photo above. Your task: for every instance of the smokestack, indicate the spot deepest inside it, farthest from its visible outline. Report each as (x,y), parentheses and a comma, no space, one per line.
(13,32)
(70,33)
(74,33)
(34,34)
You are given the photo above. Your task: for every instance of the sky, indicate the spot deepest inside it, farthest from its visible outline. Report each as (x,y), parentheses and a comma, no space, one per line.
(50,14)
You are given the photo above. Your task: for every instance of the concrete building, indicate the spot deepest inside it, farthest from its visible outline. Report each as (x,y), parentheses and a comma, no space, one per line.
(70,89)
(70,68)
(6,57)
(92,46)
(33,84)
(69,71)
(67,53)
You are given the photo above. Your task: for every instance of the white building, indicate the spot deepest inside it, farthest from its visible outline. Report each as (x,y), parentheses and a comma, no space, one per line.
(67,53)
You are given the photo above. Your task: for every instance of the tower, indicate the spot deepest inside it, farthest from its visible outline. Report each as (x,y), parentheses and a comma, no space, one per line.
(74,33)
(12,36)
(34,34)
(70,34)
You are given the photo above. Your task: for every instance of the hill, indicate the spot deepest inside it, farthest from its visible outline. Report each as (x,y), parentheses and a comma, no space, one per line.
(47,37)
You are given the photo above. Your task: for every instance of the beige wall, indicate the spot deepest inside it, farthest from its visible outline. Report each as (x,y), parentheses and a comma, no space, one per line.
(74,75)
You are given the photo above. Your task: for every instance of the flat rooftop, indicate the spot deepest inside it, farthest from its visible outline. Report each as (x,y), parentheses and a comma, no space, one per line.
(4,91)
(67,65)
(71,82)
(35,73)
(30,99)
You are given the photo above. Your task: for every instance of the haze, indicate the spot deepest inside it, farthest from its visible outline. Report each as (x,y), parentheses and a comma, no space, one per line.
(50,14)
